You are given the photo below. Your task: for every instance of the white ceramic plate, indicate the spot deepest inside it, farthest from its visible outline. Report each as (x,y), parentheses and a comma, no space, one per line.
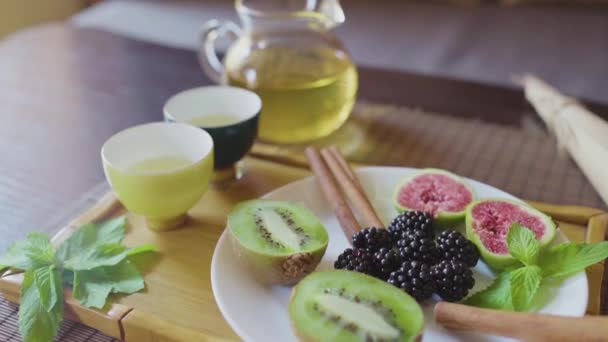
(259,313)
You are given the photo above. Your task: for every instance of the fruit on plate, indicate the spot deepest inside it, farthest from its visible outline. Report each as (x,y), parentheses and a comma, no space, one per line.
(358,260)
(441,193)
(454,246)
(489,220)
(372,239)
(408,221)
(279,242)
(350,306)
(453,279)
(414,277)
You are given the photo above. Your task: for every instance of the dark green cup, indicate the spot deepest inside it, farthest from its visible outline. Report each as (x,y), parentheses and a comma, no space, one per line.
(229,114)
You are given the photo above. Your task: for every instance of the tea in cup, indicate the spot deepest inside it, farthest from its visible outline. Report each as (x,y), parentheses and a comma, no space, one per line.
(159,170)
(229,114)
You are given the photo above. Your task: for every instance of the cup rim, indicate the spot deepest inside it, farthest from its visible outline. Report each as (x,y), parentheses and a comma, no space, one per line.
(207,136)
(237,91)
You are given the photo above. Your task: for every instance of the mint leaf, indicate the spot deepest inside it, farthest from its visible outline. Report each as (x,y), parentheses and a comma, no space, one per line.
(90,292)
(522,244)
(525,282)
(104,255)
(141,249)
(89,237)
(91,288)
(569,258)
(46,280)
(495,296)
(32,252)
(36,324)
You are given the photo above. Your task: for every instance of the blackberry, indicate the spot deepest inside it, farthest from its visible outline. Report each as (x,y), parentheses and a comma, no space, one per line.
(372,239)
(453,280)
(454,246)
(358,260)
(418,245)
(387,261)
(411,220)
(414,277)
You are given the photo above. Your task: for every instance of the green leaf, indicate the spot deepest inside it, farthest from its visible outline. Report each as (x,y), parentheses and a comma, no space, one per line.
(525,282)
(32,252)
(46,279)
(36,324)
(569,258)
(89,237)
(495,296)
(522,244)
(104,255)
(91,288)
(141,249)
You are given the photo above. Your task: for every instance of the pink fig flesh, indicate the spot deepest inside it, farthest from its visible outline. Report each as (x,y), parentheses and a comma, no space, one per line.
(434,192)
(492,219)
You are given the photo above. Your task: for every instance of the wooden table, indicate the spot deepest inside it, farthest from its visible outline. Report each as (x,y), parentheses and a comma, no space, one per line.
(65,90)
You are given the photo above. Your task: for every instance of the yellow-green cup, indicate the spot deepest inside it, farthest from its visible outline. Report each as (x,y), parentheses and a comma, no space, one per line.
(159,170)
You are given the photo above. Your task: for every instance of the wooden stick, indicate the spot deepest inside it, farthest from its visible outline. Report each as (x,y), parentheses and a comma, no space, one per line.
(327,183)
(355,195)
(523,326)
(344,164)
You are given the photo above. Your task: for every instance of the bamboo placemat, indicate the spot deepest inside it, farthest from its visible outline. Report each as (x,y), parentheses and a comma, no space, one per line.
(522,161)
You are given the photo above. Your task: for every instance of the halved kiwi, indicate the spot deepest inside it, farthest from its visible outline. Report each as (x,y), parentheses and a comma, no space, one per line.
(279,242)
(351,306)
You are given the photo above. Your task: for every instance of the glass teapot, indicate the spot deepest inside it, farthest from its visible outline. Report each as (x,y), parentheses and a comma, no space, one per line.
(286,53)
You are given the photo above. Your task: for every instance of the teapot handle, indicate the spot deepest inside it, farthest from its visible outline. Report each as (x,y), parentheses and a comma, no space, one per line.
(207,55)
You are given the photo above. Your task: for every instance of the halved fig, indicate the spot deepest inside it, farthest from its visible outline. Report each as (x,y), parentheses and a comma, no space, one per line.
(441,193)
(488,222)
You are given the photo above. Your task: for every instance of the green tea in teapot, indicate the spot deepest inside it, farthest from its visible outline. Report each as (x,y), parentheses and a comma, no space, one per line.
(307,93)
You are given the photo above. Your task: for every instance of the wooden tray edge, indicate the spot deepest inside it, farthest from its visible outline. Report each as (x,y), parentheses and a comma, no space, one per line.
(141,326)
(107,321)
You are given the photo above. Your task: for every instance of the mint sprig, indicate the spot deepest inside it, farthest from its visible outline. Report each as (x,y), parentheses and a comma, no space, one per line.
(524,283)
(91,260)
(569,258)
(36,322)
(495,296)
(91,288)
(515,289)
(522,244)
(33,252)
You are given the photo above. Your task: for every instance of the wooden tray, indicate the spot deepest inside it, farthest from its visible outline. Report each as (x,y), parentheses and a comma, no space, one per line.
(178,304)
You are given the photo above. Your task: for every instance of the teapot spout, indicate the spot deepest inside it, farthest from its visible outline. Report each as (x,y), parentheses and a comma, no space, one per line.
(333,13)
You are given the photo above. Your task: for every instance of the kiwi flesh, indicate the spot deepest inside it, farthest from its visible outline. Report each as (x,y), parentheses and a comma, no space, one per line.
(350,306)
(278,242)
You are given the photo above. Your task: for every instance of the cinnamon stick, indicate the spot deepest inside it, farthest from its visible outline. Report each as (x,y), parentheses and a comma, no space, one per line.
(333,195)
(522,326)
(353,192)
(344,164)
